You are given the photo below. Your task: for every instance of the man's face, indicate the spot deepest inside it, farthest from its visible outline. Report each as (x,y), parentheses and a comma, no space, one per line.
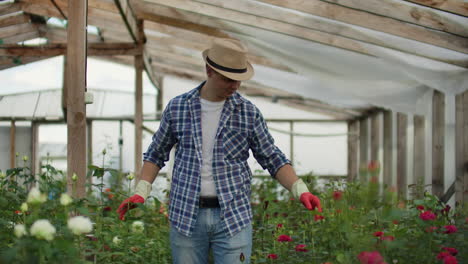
(225,86)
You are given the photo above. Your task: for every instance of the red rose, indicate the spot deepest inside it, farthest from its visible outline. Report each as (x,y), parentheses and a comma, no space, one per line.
(373,257)
(427,215)
(449,229)
(443,254)
(420,207)
(278,226)
(452,251)
(284,238)
(337,195)
(450,260)
(388,238)
(272,256)
(301,248)
(446,210)
(378,234)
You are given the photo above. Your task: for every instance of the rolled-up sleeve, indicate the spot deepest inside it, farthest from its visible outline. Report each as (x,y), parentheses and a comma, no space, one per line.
(163,141)
(268,155)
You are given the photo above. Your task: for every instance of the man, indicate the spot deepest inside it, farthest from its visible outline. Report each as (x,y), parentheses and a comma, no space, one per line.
(214,127)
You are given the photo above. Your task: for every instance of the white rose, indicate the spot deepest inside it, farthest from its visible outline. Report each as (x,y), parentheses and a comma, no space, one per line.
(116,240)
(20,230)
(35,196)
(138,226)
(65,199)
(24,207)
(43,229)
(80,225)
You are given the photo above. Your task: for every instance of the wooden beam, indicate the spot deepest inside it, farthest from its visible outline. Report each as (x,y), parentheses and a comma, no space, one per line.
(76,110)
(375,136)
(12,144)
(353,138)
(438,144)
(373,21)
(20,37)
(139,65)
(363,145)
(34,147)
(7,62)
(132,23)
(55,49)
(6,9)
(413,14)
(14,30)
(215,17)
(402,150)
(13,19)
(419,154)
(453,6)
(388,149)
(461,148)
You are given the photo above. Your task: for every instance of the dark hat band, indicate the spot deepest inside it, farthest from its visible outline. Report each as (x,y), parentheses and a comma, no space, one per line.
(226,69)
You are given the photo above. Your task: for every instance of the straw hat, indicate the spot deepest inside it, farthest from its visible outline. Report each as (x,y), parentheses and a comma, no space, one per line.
(229,58)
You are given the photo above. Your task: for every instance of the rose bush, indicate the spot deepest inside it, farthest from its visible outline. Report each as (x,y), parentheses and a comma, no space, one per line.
(360,223)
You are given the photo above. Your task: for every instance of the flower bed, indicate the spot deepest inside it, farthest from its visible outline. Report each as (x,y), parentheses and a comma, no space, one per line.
(360,223)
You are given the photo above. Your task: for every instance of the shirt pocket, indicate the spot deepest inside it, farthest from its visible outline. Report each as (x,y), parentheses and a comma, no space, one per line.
(235,142)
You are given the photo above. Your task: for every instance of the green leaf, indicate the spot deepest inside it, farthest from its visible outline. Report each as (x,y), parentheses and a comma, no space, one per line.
(340,258)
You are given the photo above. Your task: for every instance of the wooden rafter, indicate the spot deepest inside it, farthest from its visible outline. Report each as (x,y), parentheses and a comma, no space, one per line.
(453,6)
(94,49)
(13,19)
(6,9)
(14,30)
(372,21)
(215,16)
(418,15)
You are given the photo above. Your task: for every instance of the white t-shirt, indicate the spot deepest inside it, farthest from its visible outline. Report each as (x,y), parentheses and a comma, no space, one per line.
(210,115)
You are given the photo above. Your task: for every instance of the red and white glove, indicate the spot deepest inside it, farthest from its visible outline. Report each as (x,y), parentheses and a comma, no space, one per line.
(301,192)
(142,191)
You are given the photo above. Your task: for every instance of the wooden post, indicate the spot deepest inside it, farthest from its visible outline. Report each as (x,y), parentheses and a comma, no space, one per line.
(353,137)
(363,145)
(461,145)
(375,137)
(388,149)
(34,146)
(159,98)
(291,142)
(76,87)
(438,133)
(419,154)
(12,144)
(139,101)
(402,126)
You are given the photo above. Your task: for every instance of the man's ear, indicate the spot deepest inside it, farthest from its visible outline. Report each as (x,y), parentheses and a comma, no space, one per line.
(209,71)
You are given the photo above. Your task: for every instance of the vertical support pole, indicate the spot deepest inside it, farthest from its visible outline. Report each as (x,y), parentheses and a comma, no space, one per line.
(375,136)
(353,137)
(160,96)
(438,144)
(139,100)
(120,145)
(34,146)
(388,148)
(64,88)
(402,126)
(461,145)
(12,144)
(363,144)
(76,87)
(419,154)
(291,142)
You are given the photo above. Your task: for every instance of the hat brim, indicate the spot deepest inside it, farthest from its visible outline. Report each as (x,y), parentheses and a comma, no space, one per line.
(247,75)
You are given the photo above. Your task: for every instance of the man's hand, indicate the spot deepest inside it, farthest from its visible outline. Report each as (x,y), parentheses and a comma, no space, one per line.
(310,201)
(129,203)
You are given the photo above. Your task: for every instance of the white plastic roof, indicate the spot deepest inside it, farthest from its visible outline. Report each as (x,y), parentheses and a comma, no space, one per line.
(47,104)
(371,68)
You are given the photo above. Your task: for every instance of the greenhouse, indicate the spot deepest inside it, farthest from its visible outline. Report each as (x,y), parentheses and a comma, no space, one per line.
(366,100)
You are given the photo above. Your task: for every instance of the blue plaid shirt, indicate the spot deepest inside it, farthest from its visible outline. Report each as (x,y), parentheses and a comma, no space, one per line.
(241,127)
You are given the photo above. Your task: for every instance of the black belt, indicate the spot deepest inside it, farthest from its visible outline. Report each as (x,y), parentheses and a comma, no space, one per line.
(209,202)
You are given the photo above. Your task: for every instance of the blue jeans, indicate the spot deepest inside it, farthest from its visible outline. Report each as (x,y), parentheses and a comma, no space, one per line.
(209,234)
